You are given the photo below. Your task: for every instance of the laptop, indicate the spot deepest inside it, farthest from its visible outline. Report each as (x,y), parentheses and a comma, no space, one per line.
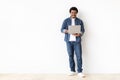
(74,29)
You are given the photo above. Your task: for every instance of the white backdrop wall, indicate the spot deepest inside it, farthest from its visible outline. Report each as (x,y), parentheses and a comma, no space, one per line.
(31,41)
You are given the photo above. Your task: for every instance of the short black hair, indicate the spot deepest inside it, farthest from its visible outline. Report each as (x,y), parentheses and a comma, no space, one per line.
(73,8)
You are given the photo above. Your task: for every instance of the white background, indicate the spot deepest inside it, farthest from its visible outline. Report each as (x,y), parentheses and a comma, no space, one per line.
(31,41)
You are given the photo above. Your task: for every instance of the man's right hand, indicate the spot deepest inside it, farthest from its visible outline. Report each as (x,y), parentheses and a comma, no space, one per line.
(66,31)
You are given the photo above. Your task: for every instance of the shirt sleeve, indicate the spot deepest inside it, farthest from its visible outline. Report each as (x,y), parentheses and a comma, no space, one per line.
(64,25)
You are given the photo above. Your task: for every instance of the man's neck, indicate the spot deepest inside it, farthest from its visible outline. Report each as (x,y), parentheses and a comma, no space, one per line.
(73,17)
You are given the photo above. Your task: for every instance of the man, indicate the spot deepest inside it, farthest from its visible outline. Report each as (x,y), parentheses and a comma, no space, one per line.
(73,41)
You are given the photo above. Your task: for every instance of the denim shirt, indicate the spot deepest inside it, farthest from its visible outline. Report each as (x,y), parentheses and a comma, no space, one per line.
(67,22)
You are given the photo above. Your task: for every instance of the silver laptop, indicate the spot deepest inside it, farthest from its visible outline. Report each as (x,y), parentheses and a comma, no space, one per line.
(74,29)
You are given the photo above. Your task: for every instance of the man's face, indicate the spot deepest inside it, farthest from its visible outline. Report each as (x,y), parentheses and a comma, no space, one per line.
(73,13)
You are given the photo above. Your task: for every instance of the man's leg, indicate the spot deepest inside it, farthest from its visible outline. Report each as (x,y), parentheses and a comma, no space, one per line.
(70,50)
(78,52)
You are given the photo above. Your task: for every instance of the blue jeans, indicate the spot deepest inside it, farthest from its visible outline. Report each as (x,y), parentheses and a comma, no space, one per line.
(71,47)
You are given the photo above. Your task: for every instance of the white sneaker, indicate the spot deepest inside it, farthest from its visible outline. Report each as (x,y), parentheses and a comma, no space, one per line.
(81,75)
(72,73)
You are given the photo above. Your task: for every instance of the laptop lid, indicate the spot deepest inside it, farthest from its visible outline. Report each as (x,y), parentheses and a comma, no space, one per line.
(74,29)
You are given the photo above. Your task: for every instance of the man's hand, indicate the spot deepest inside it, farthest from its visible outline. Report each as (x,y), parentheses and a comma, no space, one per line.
(66,31)
(77,34)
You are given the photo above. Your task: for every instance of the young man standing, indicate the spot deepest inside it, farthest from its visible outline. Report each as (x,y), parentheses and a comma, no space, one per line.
(73,41)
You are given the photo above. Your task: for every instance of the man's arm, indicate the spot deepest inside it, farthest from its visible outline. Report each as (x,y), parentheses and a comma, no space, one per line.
(82,28)
(63,28)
